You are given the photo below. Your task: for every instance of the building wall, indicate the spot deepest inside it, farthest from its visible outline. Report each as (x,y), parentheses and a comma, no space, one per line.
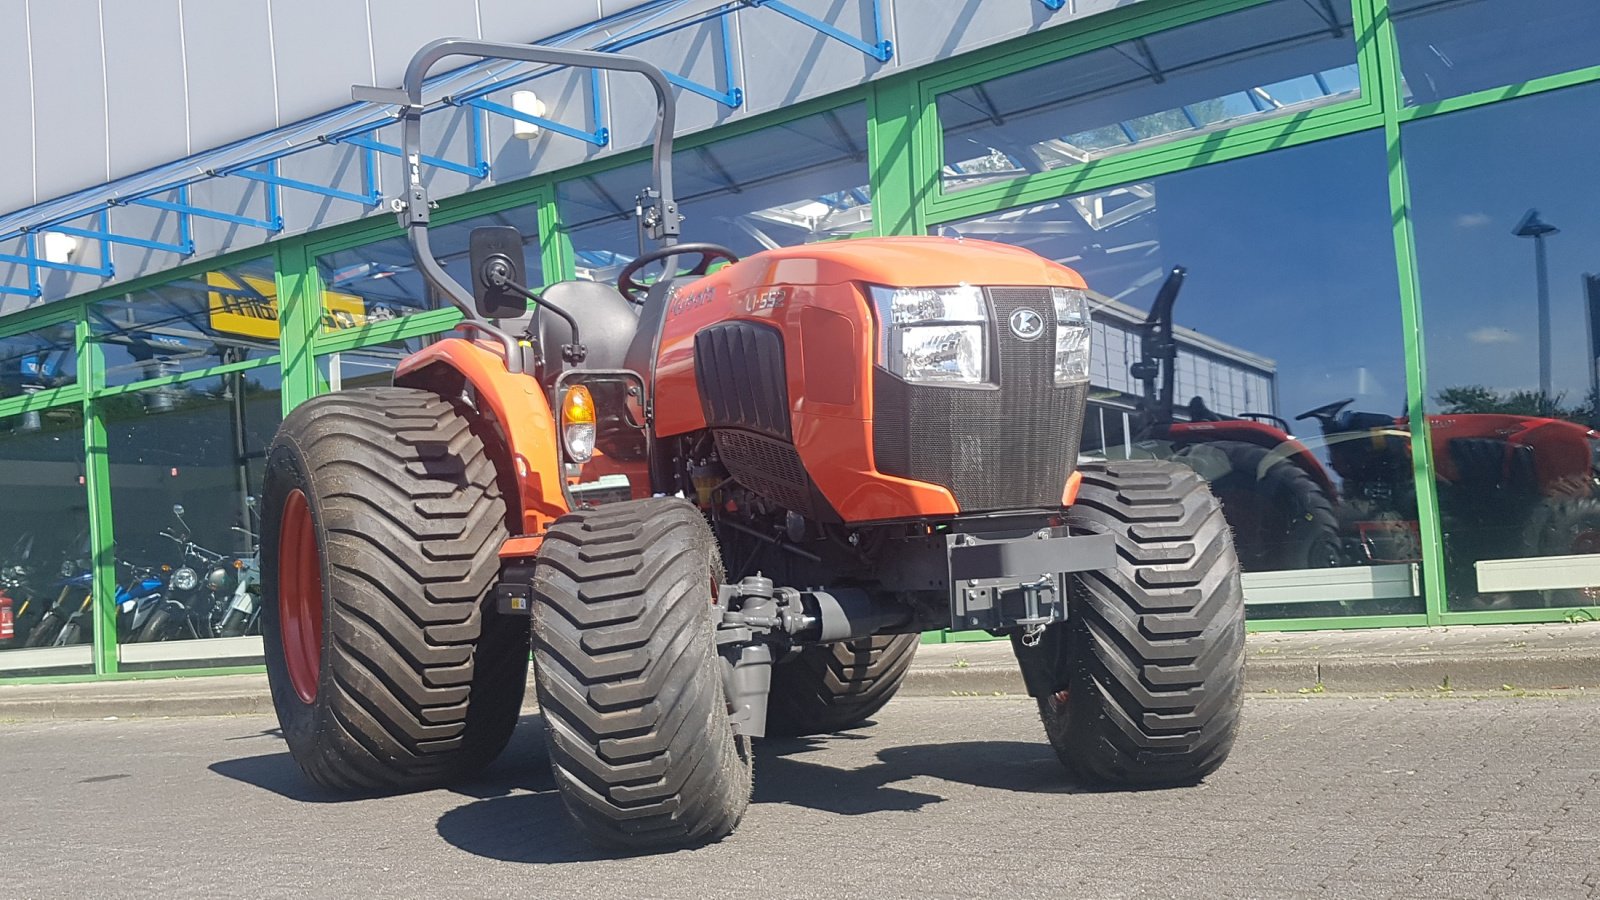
(104,90)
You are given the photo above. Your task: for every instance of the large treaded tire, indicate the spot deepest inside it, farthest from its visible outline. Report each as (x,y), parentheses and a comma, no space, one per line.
(1150,690)
(832,687)
(1281,517)
(419,681)
(629,678)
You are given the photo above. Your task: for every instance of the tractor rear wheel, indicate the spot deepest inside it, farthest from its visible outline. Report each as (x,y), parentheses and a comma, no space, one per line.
(1281,517)
(831,687)
(383,516)
(1148,690)
(1561,526)
(629,678)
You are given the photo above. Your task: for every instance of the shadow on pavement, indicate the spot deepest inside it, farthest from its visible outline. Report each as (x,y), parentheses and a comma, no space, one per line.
(516,815)
(523,766)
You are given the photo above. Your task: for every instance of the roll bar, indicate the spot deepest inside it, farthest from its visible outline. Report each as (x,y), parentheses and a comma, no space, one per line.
(659,218)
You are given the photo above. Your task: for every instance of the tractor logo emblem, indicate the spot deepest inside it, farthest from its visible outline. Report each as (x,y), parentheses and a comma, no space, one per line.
(1027,324)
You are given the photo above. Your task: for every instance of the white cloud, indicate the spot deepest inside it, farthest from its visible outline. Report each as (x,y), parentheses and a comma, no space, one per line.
(1473,220)
(1492,335)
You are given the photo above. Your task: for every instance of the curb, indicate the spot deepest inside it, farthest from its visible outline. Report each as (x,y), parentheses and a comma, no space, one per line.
(1397,675)
(940,670)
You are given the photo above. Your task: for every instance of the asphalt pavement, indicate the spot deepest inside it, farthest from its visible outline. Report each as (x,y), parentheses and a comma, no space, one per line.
(1415,797)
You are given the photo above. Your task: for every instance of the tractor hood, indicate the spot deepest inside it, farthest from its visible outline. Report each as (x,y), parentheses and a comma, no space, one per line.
(906,262)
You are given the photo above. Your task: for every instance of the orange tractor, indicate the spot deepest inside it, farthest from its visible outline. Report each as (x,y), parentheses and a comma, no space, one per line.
(725,504)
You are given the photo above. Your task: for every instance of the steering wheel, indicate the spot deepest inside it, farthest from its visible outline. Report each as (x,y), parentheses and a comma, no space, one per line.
(709,253)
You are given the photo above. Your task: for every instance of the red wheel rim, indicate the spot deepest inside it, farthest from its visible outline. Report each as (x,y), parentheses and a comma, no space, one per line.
(300,596)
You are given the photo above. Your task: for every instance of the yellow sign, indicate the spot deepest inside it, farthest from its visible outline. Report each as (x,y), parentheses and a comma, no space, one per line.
(247,305)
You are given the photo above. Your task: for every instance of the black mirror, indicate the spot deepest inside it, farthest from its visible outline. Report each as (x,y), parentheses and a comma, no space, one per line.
(498,261)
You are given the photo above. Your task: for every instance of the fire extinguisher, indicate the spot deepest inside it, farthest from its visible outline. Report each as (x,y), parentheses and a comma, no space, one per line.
(8,621)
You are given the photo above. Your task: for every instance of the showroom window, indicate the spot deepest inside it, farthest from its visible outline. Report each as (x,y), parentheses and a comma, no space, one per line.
(1281,58)
(38,360)
(369,366)
(1288,323)
(228,315)
(1510,285)
(379,282)
(186,462)
(1453,47)
(45,560)
(789,184)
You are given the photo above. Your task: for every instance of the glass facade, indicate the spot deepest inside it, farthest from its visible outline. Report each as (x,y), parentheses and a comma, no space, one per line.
(1281,58)
(1453,47)
(46,570)
(185,466)
(1279,315)
(227,315)
(794,183)
(1506,263)
(1383,210)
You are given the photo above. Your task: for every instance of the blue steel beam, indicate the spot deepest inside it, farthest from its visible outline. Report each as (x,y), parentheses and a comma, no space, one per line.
(185,210)
(104,235)
(882,51)
(478,169)
(274,180)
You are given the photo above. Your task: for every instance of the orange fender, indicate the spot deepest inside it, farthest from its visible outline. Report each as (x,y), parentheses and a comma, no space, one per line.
(519,408)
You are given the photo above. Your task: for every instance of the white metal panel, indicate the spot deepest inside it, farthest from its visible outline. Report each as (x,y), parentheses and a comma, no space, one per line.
(228,73)
(69,103)
(16,108)
(147,116)
(1545,573)
(230,649)
(47,658)
(1395,581)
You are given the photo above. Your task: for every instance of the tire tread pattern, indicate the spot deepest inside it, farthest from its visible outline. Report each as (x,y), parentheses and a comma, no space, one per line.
(1157,661)
(629,680)
(421,689)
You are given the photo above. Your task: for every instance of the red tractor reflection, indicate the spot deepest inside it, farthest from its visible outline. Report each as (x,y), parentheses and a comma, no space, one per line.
(1508,485)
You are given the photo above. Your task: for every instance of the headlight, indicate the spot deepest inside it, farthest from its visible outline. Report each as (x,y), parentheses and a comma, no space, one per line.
(185,579)
(933,335)
(216,578)
(1072,335)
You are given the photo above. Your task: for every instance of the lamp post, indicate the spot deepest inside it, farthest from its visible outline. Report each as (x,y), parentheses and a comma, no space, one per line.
(1536,228)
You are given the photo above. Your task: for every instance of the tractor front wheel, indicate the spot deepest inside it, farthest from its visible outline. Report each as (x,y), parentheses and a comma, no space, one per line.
(831,687)
(1146,676)
(383,516)
(629,678)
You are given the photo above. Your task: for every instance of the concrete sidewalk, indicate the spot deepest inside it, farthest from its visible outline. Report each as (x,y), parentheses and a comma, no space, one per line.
(1493,658)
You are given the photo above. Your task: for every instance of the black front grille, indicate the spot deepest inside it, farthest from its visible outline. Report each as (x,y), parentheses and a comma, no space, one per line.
(1010,447)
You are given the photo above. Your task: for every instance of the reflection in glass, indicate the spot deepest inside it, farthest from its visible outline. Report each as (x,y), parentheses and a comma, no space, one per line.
(788,184)
(370,366)
(38,360)
(1279,59)
(1453,47)
(186,464)
(46,622)
(1277,371)
(224,316)
(379,282)
(1519,489)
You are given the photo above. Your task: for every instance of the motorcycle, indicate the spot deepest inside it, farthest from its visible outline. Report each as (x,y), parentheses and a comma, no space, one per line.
(243,615)
(20,611)
(190,606)
(137,597)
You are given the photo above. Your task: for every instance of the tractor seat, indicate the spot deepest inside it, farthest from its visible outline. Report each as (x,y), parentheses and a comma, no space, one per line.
(606,321)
